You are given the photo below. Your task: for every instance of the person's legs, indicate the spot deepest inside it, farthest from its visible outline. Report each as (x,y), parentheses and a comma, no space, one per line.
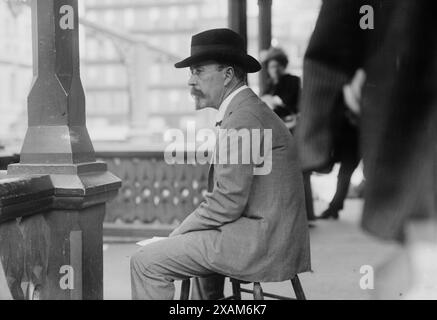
(414,261)
(155,266)
(347,168)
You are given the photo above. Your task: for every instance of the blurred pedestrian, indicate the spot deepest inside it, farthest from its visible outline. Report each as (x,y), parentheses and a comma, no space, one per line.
(395,44)
(346,149)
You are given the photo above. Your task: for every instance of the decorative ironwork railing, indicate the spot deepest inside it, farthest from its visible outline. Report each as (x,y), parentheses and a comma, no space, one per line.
(152,190)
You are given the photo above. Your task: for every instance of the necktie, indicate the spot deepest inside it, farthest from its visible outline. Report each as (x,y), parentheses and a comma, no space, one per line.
(211,166)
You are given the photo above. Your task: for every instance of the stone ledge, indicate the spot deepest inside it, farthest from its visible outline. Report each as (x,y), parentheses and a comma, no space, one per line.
(22,196)
(30,194)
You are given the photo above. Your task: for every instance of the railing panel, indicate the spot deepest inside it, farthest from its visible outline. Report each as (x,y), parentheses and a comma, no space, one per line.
(152,190)
(24,247)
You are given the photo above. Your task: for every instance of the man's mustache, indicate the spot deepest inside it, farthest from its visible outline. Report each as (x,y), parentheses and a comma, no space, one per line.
(197,93)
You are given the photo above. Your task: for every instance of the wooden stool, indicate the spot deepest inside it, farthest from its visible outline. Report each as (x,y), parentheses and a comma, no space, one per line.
(257,291)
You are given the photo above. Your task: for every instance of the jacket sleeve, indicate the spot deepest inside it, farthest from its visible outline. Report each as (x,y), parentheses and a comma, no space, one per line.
(232,184)
(334,53)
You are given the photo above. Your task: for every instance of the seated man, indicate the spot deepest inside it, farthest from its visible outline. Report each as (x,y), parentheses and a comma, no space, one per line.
(252,224)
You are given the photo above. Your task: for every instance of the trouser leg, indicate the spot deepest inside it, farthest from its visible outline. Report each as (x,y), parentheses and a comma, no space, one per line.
(155,267)
(308,196)
(347,168)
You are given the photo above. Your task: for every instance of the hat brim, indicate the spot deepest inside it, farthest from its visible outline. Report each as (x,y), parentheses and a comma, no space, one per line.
(247,62)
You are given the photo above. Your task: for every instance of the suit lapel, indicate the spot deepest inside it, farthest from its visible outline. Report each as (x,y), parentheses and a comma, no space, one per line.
(235,102)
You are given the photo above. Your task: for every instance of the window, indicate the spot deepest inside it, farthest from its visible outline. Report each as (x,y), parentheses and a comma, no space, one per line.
(155,73)
(13,87)
(110,18)
(154,14)
(192,13)
(173,13)
(92,48)
(174,97)
(129,18)
(173,44)
(109,50)
(155,103)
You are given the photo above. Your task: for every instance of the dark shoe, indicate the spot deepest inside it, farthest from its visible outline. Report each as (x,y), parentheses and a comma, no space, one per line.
(329,213)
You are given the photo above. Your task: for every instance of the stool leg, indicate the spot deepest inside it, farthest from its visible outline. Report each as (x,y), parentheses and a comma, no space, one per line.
(236,292)
(185,289)
(297,287)
(257,291)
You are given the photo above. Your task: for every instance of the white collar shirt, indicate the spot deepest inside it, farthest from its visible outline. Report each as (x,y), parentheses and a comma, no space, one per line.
(224,105)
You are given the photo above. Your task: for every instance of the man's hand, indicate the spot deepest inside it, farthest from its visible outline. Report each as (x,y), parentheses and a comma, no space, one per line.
(272,101)
(267,99)
(352,92)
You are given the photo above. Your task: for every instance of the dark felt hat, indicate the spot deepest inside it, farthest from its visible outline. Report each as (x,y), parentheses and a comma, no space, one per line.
(223,45)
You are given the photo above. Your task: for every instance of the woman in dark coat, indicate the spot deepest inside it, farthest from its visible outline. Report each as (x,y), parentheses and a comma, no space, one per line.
(281,92)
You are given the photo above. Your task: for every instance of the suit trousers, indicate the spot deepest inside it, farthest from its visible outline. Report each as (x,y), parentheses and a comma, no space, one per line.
(156,266)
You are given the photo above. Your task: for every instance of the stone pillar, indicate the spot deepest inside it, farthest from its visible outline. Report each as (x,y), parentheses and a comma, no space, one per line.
(57,144)
(56,103)
(265,34)
(237,17)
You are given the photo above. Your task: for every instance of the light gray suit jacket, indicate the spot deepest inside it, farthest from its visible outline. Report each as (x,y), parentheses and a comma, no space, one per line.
(254,227)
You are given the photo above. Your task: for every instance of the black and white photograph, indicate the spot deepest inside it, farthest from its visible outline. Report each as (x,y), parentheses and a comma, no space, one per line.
(219,150)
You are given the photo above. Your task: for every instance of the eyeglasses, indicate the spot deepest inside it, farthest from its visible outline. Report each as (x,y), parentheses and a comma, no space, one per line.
(196,71)
(200,70)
